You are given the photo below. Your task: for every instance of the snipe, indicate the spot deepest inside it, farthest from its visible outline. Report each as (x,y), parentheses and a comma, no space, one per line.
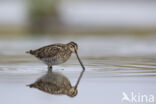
(56,54)
(56,83)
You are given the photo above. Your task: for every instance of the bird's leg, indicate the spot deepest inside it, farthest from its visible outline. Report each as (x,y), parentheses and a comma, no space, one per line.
(50,68)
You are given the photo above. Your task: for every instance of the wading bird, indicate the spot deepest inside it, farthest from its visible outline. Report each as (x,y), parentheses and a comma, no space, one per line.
(56,83)
(56,54)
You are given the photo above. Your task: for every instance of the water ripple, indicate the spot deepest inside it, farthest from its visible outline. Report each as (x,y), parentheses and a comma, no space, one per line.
(103,67)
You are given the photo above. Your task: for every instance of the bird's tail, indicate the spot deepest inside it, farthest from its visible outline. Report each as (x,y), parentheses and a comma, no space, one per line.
(31,85)
(30,52)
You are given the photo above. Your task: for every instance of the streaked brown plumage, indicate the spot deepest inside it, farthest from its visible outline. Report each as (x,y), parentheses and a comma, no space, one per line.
(56,54)
(56,83)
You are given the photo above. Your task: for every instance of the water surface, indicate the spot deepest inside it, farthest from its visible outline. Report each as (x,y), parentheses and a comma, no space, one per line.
(107,74)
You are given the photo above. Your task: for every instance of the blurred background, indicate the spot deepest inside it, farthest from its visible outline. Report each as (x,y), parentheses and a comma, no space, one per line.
(117,44)
(77,17)
(113,27)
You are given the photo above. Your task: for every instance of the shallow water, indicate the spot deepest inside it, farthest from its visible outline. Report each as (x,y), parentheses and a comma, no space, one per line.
(106,77)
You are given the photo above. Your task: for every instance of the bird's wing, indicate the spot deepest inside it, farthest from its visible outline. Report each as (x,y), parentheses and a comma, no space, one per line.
(54,89)
(47,51)
(47,87)
(57,79)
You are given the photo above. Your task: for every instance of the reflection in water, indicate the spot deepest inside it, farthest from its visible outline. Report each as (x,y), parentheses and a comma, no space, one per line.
(56,83)
(109,75)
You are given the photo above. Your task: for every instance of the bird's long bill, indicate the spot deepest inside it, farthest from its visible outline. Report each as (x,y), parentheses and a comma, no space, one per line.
(82,70)
(79,60)
(79,79)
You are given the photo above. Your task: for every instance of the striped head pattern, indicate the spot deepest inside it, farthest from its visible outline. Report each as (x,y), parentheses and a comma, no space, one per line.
(72,46)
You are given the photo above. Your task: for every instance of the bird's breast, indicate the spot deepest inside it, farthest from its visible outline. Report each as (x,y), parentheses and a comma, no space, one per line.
(64,56)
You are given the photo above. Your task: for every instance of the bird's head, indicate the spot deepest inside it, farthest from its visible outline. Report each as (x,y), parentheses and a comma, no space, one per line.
(72,92)
(72,46)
